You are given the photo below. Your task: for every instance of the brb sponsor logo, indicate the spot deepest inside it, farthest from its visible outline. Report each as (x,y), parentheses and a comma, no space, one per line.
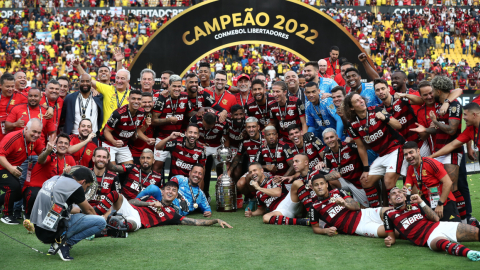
(183,165)
(286,124)
(409,221)
(332,212)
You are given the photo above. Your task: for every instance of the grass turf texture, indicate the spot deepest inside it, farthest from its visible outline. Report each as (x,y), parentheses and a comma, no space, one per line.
(249,245)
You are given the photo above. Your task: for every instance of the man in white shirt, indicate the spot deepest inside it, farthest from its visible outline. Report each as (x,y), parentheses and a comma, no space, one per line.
(447,43)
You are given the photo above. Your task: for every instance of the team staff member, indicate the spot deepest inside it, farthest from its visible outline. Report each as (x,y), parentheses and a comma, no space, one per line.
(321,113)
(52,102)
(429,175)
(199,98)
(446,128)
(370,126)
(48,165)
(423,227)
(333,65)
(82,105)
(114,97)
(8,99)
(293,84)
(15,148)
(219,92)
(286,111)
(82,145)
(122,126)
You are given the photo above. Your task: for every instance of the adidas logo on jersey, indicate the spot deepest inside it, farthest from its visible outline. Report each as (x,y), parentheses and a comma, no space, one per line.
(187,155)
(397,215)
(125,123)
(181,153)
(256,112)
(248,148)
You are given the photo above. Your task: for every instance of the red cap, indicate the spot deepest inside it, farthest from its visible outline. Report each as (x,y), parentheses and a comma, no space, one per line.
(243,75)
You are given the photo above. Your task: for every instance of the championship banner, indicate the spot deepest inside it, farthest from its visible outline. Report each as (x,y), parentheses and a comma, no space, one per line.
(116,11)
(216,24)
(44,36)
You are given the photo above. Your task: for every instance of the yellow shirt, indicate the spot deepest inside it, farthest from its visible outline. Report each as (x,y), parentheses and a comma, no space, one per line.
(247,69)
(110,100)
(410,63)
(378,60)
(280,69)
(39,25)
(31,24)
(228,67)
(51,52)
(234,65)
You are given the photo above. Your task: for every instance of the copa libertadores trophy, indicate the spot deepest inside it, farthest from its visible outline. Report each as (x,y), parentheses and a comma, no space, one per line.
(225,189)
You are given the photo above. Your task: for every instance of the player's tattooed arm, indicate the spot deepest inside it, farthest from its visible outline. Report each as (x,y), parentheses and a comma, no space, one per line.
(451,128)
(234,164)
(430,214)
(334,175)
(351,204)
(290,170)
(467,233)
(203,222)
(115,168)
(135,202)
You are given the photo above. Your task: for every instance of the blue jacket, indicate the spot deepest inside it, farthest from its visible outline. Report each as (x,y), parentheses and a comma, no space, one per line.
(330,118)
(326,85)
(68,111)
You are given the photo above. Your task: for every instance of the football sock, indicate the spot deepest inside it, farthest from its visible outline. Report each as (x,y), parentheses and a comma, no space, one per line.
(105,204)
(282,220)
(372,196)
(452,248)
(460,204)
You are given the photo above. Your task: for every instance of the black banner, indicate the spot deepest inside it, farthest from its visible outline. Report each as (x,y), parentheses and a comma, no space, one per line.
(216,24)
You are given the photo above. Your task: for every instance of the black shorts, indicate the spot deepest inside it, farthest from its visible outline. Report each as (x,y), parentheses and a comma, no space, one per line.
(450,212)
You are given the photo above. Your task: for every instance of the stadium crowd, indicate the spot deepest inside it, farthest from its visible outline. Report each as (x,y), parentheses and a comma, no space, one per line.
(311,137)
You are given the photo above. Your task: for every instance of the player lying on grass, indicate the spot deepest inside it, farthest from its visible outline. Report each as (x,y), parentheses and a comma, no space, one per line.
(342,213)
(422,227)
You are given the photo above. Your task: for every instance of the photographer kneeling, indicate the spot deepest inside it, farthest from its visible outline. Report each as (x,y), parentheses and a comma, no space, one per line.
(54,224)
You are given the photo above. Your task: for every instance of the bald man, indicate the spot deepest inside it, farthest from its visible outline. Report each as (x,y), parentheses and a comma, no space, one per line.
(322,69)
(293,85)
(21,83)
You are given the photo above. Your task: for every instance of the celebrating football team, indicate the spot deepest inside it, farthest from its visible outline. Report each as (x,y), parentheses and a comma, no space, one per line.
(375,159)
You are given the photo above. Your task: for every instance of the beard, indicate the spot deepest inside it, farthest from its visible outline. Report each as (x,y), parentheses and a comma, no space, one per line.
(238,123)
(85,89)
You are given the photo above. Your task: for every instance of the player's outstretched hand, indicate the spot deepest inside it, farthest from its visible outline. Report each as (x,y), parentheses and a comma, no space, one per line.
(248,213)
(223,223)
(419,128)
(331,231)
(388,241)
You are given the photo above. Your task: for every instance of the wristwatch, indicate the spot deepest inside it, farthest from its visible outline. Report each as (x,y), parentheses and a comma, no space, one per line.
(446,101)
(440,203)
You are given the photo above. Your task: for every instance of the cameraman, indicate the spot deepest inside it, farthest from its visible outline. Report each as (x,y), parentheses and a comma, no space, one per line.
(51,212)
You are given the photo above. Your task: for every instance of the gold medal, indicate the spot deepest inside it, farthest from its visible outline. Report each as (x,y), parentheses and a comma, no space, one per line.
(251,182)
(409,207)
(332,200)
(83,116)
(195,205)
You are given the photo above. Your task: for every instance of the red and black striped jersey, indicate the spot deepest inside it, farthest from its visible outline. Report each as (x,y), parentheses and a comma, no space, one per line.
(123,124)
(278,156)
(235,134)
(286,116)
(213,136)
(168,107)
(381,138)
(107,183)
(203,99)
(271,202)
(305,194)
(401,110)
(251,147)
(183,157)
(151,216)
(441,138)
(137,146)
(261,112)
(413,225)
(133,184)
(350,167)
(343,219)
(312,149)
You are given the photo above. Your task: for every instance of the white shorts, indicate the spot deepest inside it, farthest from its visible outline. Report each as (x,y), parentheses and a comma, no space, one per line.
(212,151)
(425,149)
(119,154)
(446,230)
(160,155)
(369,222)
(393,162)
(130,213)
(451,158)
(288,208)
(359,195)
